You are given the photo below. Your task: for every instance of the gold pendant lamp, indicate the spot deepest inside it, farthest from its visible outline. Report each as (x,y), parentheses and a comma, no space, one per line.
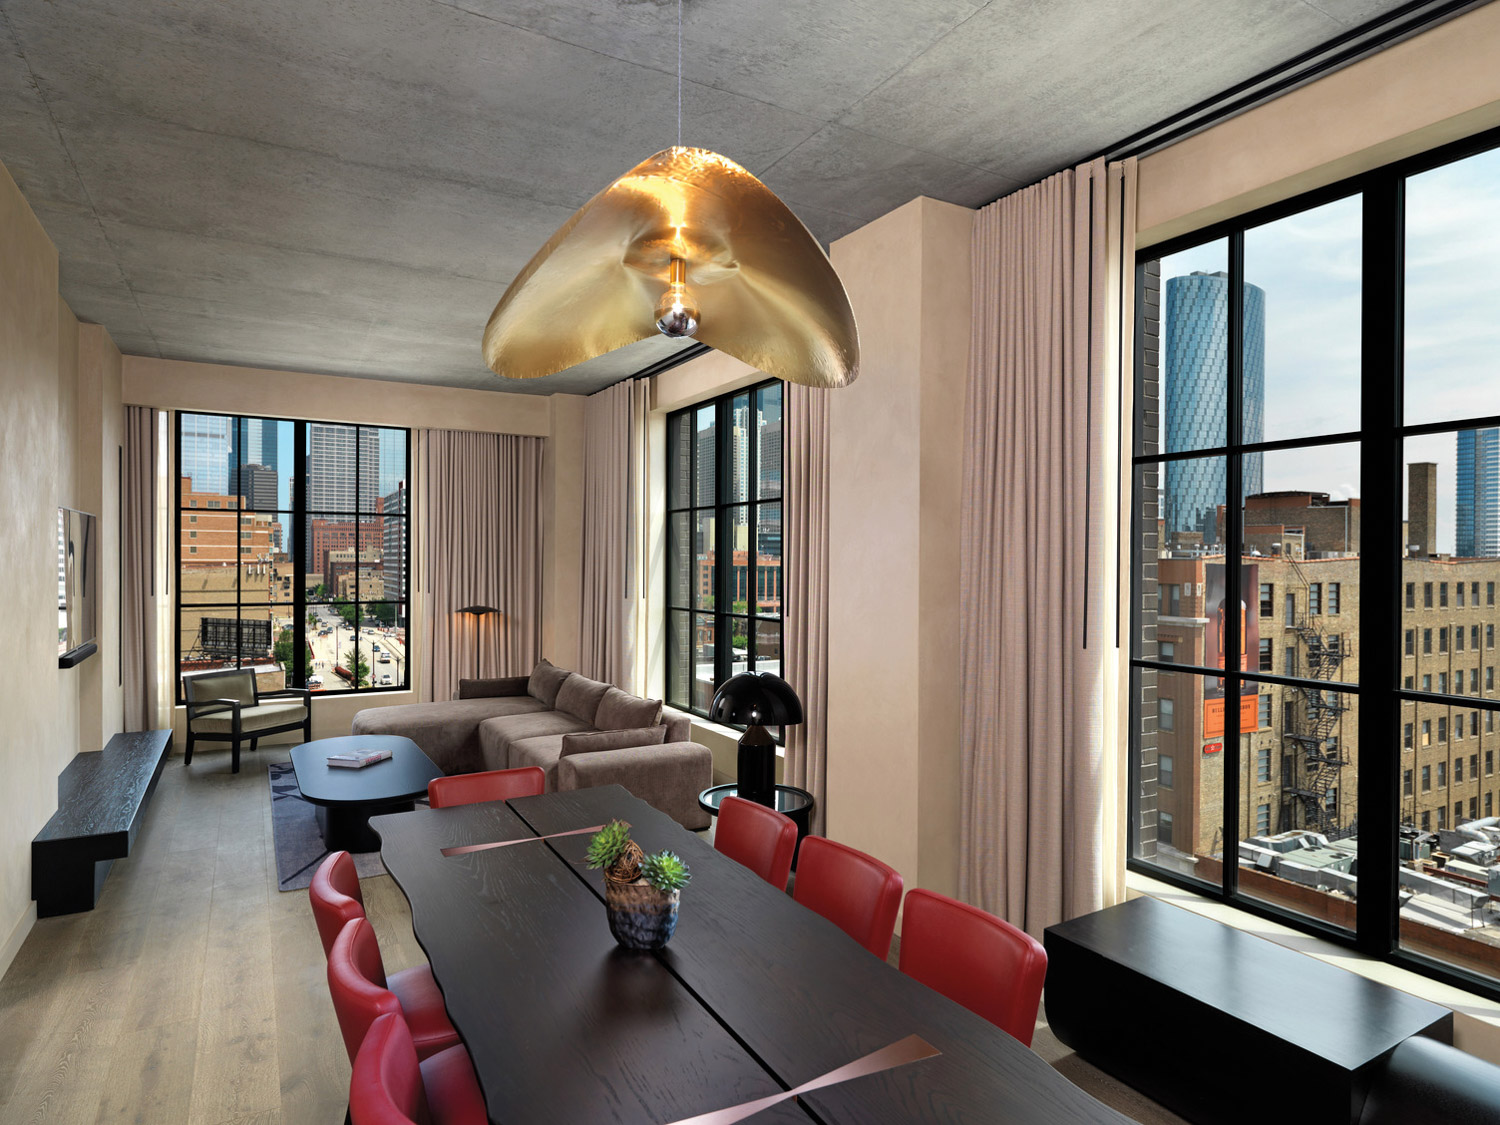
(687,243)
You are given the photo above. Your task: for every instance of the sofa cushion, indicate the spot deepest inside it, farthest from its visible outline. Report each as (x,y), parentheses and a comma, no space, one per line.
(580,697)
(679,726)
(497,736)
(612,740)
(260,717)
(620,710)
(546,679)
(543,751)
(448,731)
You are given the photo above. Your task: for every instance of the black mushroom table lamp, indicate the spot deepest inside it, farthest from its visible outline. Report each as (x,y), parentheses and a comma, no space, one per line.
(759,700)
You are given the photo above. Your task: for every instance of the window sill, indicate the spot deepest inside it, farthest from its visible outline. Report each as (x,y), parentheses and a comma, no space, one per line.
(712,729)
(1476,1019)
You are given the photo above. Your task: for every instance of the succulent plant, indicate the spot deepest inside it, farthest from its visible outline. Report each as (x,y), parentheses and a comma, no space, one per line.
(612,849)
(665,871)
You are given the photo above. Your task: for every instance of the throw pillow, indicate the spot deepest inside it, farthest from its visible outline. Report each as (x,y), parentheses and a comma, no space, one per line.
(580,696)
(545,681)
(611,740)
(620,710)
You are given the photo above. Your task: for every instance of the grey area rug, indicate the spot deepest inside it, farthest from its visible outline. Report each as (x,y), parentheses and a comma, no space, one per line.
(294,828)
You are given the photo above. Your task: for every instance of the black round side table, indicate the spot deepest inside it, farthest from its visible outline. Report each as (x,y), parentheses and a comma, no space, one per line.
(796,803)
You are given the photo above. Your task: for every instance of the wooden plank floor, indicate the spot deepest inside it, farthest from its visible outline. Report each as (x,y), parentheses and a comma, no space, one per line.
(195,992)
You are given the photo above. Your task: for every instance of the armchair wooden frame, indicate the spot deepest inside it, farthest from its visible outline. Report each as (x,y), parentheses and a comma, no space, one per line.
(202,708)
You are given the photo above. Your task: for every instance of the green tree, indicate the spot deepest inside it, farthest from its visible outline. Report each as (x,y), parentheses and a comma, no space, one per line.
(384,612)
(285,649)
(347,612)
(355,662)
(312,620)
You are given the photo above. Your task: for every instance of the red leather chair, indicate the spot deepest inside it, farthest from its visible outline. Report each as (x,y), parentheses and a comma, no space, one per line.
(390,1087)
(854,891)
(335,897)
(757,837)
(361,991)
(492,785)
(974,958)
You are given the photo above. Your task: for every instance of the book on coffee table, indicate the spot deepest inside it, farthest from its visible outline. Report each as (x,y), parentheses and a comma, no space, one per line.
(357,759)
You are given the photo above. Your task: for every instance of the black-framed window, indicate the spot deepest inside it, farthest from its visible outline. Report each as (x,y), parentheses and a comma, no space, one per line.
(724,521)
(301,574)
(1316,409)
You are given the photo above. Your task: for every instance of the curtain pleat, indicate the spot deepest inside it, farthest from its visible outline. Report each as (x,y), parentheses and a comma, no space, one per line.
(613,465)
(1039,654)
(140,591)
(481,546)
(804,568)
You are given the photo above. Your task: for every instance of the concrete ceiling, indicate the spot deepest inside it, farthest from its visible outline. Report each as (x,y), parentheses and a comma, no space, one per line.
(347,186)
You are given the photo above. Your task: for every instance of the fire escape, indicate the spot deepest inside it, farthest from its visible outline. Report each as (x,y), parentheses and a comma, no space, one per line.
(1312,757)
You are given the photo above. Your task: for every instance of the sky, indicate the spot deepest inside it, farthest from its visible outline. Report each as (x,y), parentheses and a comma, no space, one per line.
(1309,267)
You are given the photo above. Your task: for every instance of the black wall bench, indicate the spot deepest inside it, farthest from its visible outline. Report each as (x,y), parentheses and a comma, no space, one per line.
(101,799)
(1221,1026)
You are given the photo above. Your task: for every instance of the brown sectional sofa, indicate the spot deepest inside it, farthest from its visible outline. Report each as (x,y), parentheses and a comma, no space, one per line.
(581,732)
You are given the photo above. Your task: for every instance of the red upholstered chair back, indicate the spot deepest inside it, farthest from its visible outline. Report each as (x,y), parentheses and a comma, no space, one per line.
(386,1088)
(982,962)
(757,837)
(492,785)
(335,897)
(854,891)
(356,981)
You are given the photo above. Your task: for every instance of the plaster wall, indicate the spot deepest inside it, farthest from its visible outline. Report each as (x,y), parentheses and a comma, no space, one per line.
(38,700)
(101,434)
(896,442)
(1439,86)
(169,384)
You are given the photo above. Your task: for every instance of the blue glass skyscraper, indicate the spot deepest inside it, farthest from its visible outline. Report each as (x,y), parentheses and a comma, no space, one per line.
(1195,388)
(205,452)
(1477,510)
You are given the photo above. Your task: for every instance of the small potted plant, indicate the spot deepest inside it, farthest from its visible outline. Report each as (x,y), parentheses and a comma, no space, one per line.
(641,892)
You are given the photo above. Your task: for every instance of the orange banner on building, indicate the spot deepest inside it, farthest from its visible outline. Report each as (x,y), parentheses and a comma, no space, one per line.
(1213,716)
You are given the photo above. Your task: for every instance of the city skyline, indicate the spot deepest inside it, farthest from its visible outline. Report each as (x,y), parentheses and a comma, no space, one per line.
(1309,266)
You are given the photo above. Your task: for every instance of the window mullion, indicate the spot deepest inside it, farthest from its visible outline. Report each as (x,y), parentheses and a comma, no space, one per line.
(297,534)
(724,544)
(1381,456)
(1234,509)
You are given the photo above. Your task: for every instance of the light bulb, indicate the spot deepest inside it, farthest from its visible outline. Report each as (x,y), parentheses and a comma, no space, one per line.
(677,312)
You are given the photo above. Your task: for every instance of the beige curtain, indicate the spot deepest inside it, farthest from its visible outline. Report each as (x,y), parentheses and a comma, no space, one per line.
(1040,648)
(479,505)
(804,569)
(145,599)
(615,461)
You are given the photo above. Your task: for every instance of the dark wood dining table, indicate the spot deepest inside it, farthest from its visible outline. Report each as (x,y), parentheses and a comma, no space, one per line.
(754,995)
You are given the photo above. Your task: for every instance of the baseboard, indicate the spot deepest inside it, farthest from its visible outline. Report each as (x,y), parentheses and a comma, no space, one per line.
(17,936)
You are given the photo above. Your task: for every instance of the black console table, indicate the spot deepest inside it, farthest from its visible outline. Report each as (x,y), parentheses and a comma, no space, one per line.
(101,798)
(1221,1026)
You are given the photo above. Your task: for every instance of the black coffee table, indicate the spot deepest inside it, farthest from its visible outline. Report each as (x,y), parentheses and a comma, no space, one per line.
(347,798)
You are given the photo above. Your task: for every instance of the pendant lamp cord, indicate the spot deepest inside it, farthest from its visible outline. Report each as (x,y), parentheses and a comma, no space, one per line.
(679,73)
